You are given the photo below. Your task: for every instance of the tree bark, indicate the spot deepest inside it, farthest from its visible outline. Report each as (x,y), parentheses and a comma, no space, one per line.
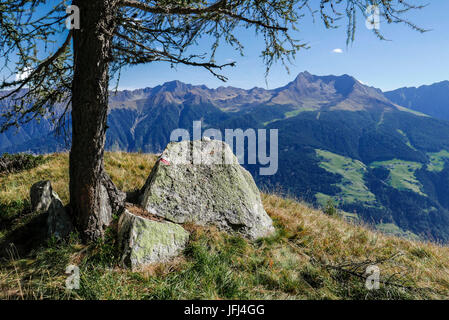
(93,196)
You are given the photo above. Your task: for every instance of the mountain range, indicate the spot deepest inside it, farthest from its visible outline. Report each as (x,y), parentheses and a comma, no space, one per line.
(429,99)
(380,157)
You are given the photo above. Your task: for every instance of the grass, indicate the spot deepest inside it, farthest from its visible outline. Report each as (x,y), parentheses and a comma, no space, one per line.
(392,229)
(402,174)
(129,171)
(408,143)
(310,256)
(416,113)
(352,184)
(290,114)
(10,163)
(437,160)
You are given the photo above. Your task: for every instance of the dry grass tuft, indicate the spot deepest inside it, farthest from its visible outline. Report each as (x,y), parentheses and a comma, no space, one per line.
(129,171)
(334,241)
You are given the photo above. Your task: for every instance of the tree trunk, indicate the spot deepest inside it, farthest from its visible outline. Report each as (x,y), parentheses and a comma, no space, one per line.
(93,196)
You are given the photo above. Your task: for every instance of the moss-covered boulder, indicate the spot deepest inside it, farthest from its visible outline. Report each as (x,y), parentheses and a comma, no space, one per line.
(144,241)
(202,182)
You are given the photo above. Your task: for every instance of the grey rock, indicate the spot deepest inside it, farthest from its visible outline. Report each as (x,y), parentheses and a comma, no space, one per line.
(44,199)
(58,221)
(203,183)
(144,241)
(41,195)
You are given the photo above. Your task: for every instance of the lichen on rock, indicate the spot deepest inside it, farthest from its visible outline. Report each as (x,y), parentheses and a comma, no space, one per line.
(144,241)
(202,182)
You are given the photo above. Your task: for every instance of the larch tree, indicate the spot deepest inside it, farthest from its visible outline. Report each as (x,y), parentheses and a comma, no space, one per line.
(58,58)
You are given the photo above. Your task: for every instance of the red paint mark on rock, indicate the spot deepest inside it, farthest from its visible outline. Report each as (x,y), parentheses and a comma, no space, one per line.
(164,161)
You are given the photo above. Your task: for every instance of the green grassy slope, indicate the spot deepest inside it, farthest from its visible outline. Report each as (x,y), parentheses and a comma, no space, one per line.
(402,174)
(352,185)
(437,160)
(311,255)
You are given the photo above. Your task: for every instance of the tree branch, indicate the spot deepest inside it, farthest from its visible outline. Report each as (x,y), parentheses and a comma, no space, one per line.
(147,54)
(216,10)
(38,69)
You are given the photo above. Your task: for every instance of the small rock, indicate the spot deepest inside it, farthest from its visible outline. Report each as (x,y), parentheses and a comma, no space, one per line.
(205,184)
(41,195)
(144,241)
(44,199)
(58,221)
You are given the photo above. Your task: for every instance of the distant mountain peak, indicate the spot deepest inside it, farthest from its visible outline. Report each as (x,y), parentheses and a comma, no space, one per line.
(431,99)
(175,85)
(305,91)
(305,75)
(307,83)
(342,92)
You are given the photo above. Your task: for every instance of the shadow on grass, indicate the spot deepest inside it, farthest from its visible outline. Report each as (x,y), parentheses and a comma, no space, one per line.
(28,236)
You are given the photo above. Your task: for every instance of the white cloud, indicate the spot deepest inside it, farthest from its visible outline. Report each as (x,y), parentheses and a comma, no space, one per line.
(337,50)
(112,88)
(23,75)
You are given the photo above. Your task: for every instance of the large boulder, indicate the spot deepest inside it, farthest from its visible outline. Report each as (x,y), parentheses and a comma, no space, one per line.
(44,199)
(144,240)
(202,182)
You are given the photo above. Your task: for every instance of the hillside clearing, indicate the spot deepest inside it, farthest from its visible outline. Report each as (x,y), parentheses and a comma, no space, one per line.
(352,184)
(402,174)
(437,160)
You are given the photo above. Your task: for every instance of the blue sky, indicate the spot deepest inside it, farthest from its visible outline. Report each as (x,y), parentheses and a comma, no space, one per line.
(410,59)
